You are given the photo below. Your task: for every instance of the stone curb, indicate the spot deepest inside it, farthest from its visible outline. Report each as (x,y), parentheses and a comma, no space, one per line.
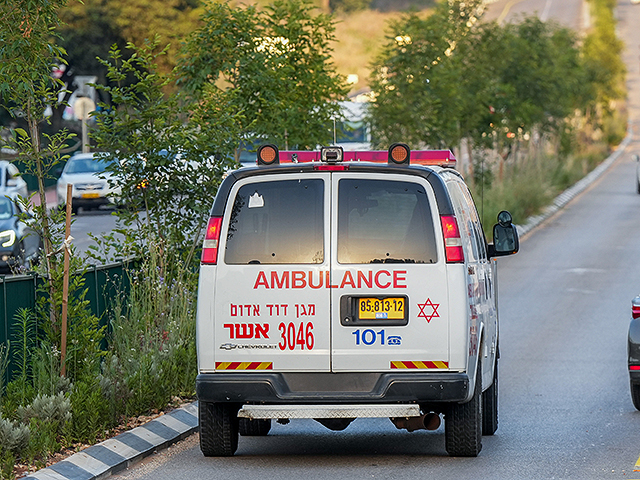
(565,197)
(119,452)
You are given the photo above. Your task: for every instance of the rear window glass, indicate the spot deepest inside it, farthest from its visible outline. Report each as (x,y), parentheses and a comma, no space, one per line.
(277,222)
(382,221)
(85,165)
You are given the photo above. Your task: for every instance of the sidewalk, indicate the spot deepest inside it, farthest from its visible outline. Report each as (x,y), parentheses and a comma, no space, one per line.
(51,196)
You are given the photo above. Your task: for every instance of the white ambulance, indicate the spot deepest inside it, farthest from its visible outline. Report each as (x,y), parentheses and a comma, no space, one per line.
(336,285)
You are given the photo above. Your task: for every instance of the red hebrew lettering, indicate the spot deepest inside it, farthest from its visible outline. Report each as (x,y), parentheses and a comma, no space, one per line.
(262,331)
(234,310)
(247,330)
(230,327)
(256,310)
(312,310)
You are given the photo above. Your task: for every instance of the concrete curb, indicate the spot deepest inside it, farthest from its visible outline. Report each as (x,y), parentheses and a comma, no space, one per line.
(565,197)
(121,451)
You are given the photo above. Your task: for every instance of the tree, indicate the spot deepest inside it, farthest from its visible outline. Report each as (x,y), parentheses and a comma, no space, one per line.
(278,62)
(167,153)
(92,27)
(28,54)
(416,81)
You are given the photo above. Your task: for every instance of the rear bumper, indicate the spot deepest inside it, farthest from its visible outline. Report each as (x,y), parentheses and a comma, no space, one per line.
(332,388)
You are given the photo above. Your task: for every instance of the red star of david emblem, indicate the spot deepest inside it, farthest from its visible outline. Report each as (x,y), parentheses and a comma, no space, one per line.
(434,308)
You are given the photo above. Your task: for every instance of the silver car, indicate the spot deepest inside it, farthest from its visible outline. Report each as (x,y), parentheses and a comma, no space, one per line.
(87,173)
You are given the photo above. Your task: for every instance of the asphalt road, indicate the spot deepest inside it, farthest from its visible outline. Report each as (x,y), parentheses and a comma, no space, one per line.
(570,13)
(565,408)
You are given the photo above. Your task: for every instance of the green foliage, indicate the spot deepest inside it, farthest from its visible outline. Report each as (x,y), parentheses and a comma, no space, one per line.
(348,5)
(92,27)
(168,156)
(24,341)
(473,81)
(84,332)
(90,411)
(14,437)
(28,52)
(416,81)
(152,343)
(278,62)
(602,52)
(4,363)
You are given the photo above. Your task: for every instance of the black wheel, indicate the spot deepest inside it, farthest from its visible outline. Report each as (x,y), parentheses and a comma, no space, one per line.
(463,424)
(635,395)
(218,429)
(254,428)
(490,405)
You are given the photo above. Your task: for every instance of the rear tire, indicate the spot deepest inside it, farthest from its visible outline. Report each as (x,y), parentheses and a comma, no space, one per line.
(218,429)
(490,405)
(463,423)
(635,395)
(254,428)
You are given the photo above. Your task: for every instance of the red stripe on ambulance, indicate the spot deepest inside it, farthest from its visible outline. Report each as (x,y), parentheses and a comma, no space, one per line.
(244,365)
(419,365)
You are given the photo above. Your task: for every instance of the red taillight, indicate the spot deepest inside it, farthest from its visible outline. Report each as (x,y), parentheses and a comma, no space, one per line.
(211,240)
(452,240)
(635,310)
(634,367)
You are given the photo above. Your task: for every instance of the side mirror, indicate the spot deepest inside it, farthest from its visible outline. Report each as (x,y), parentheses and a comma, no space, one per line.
(12,182)
(505,237)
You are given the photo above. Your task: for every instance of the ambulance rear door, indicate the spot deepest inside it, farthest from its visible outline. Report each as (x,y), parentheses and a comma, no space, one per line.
(388,275)
(272,300)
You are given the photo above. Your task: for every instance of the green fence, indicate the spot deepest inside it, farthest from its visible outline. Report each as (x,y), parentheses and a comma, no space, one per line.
(103,284)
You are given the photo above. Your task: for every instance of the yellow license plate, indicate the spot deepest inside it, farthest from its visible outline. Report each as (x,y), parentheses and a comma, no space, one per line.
(90,195)
(391,308)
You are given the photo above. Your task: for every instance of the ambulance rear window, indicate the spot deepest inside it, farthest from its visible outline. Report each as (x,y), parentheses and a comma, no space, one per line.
(384,221)
(277,222)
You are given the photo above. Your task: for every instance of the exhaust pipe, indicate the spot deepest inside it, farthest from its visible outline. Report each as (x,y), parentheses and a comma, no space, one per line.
(429,421)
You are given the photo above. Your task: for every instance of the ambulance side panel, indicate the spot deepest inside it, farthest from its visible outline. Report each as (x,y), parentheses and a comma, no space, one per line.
(205,338)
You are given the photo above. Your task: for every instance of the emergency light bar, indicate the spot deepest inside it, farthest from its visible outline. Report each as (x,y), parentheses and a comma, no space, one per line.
(396,155)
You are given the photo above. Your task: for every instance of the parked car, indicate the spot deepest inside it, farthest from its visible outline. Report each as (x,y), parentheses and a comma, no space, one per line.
(11,183)
(91,189)
(336,285)
(633,352)
(20,245)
